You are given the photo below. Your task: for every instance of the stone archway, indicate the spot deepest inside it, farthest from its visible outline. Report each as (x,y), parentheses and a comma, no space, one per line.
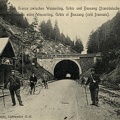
(67,68)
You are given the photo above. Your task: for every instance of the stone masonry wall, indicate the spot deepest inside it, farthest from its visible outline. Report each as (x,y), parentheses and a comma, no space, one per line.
(86,63)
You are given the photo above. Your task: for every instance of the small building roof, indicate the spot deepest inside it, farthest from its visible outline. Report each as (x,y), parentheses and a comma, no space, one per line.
(3,44)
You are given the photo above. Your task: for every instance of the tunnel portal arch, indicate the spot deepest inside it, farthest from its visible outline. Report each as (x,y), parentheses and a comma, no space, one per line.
(67,69)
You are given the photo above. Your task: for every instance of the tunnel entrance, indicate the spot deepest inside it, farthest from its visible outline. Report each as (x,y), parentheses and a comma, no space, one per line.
(66,69)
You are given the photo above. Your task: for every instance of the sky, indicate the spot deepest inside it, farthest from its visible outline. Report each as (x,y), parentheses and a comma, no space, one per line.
(80,24)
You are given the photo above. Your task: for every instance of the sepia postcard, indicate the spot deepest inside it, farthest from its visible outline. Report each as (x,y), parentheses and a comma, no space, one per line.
(47,50)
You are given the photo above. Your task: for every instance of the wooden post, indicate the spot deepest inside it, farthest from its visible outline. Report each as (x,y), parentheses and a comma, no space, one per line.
(3,96)
(22,61)
(86,95)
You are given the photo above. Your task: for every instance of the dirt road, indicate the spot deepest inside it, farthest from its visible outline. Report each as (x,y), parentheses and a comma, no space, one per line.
(63,100)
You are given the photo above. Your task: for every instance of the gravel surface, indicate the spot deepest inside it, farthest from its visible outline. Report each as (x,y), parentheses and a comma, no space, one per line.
(63,100)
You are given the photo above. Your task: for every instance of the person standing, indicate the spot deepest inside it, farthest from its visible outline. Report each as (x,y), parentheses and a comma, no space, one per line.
(33,81)
(45,81)
(14,87)
(82,81)
(93,81)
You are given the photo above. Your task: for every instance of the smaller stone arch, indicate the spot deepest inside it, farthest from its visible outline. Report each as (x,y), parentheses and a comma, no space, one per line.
(67,66)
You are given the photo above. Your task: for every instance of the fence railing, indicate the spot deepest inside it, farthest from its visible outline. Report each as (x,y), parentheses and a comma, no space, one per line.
(64,55)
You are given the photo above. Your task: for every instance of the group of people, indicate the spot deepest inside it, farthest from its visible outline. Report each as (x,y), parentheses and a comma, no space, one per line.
(14,86)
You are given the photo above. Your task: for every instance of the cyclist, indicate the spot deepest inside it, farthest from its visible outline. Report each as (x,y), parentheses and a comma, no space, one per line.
(33,81)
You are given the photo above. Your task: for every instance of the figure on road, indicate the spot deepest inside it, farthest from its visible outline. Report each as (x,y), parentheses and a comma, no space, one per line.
(33,81)
(14,88)
(93,81)
(45,81)
(82,81)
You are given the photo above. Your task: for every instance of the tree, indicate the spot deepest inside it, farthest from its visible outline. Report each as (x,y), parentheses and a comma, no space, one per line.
(106,37)
(3,9)
(68,41)
(78,46)
(62,38)
(56,32)
(34,24)
(49,29)
(9,13)
(43,28)
(92,44)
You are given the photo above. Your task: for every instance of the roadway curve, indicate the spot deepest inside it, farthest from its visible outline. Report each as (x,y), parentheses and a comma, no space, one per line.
(63,100)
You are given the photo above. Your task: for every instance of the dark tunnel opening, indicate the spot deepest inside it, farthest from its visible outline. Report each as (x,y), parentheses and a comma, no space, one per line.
(66,69)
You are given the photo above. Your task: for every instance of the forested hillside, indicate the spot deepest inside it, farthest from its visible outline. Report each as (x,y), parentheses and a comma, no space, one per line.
(27,32)
(53,33)
(106,39)
(31,39)
(9,13)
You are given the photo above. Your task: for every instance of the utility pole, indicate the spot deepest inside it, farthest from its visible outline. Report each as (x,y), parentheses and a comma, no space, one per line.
(15,60)
(24,39)
(22,61)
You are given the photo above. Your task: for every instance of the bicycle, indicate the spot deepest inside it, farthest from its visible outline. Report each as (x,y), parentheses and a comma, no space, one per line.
(38,87)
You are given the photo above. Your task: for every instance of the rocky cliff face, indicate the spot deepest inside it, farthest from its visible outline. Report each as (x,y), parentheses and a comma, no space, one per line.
(30,43)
